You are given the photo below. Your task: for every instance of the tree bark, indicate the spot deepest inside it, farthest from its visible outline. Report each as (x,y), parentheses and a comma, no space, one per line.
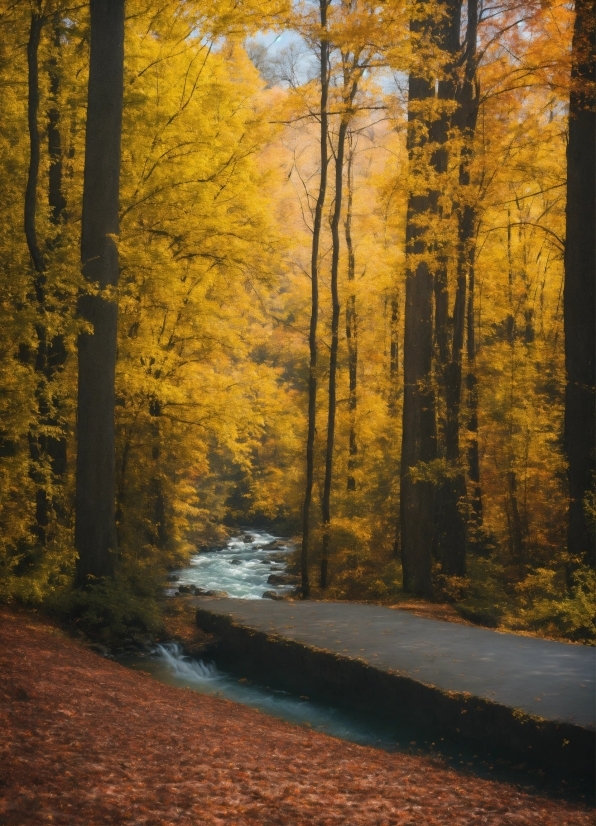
(335,310)
(452,522)
(351,325)
(38,469)
(472,396)
(579,296)
(314,316)
(450,539)
(48,453)
(56,197)
(95,526)
(419,444)
(37,23)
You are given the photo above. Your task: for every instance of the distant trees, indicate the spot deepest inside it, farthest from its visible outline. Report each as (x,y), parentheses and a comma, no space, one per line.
(254,208)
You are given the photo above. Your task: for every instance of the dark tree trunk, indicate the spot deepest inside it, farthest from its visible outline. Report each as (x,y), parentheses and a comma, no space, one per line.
(48,453)
(56,350)
(450,522)
(314,269)
(335,310)
(56,197)
(351,326)
(38,470)
(579,287)
(420,527)
(472,398)
(37,23)
(95,528)
(419,429)
(158,534)
(394,352)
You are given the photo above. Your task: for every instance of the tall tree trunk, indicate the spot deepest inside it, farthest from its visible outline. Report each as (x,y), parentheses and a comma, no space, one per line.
(38,470)
(56,196)
(351,322)
(579,286)
(314,316)
(468,226)
(419,444)
(48,453)
(56,350)
(472,393)
(35,29)
(95,527)
(394,352)
(350,89)
(335,310)
(450,539)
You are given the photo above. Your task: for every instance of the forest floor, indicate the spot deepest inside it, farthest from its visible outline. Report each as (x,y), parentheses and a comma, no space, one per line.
(86,741)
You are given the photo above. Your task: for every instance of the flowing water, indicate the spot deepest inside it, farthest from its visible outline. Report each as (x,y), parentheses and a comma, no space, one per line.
(168,664)
(241,568)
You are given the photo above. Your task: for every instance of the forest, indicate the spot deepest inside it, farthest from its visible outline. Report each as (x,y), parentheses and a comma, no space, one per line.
(326,267)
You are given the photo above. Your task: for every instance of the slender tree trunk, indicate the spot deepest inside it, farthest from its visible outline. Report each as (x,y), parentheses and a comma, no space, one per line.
(394,352)
(38,470)
(472,394)
(335,310)
(37,23)
(56,196)
(314,270)
(158,533)
(419,442)
(95,527)
(579,287)
(351,323)
(56,350)
(450,539)
(48,453)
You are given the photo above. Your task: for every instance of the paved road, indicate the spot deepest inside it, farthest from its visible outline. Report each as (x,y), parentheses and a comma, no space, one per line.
(549,679)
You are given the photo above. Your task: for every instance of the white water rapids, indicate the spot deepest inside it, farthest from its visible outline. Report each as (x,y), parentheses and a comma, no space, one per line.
(241,568)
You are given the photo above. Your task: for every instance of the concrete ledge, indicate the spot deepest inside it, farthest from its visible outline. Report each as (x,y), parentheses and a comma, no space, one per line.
(306,669)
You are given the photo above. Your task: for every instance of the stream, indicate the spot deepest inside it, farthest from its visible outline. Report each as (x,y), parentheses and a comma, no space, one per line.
(242,569)
(168,664)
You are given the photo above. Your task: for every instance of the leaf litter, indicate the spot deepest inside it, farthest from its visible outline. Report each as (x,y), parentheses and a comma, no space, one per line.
(87,741)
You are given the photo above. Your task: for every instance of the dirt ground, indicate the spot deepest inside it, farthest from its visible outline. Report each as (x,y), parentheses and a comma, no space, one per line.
(86,741)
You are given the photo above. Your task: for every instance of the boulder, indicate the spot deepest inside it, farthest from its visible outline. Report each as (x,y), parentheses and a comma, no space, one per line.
(282,579)
(215,593)
(185,589)
(272,595)
(172,578)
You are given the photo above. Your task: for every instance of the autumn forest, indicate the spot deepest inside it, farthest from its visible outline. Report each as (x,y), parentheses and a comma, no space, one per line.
(326,267)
